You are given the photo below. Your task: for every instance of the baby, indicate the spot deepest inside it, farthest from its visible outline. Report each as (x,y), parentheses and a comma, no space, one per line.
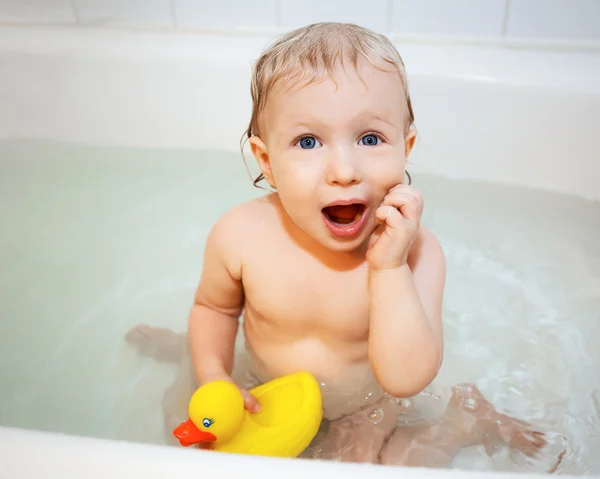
(333,272)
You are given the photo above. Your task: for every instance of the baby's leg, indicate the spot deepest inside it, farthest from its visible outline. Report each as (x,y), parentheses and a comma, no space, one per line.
(177,397)
(158,343)
(469,420)
(168,346)
(358,437)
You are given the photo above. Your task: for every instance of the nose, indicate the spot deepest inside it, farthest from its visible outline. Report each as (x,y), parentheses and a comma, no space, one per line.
(342,169)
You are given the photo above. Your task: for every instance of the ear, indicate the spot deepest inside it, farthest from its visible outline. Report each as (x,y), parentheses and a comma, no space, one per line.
(259,150)
(409,142)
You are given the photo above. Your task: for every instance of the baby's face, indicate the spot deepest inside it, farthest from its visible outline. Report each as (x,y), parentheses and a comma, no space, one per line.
(333,153)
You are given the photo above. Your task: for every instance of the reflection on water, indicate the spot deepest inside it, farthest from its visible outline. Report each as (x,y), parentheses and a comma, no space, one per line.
(94,241)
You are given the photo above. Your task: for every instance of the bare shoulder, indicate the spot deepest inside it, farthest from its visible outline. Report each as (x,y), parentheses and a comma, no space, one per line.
(247,218)
(427,251)
(238,228)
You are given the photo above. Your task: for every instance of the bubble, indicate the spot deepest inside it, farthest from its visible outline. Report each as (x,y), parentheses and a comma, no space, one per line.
(431,395)
(376,416)
(471,403)
(464,388)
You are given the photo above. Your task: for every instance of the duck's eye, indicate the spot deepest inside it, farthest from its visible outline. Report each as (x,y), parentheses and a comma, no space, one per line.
(207,422)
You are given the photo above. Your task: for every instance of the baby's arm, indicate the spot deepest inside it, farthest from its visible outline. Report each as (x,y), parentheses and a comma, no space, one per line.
(406,341)
(213,320)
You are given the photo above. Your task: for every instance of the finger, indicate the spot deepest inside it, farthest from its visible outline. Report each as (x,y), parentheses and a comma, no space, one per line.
(390,216)
(402,188)
(410,204)
(403,196)
(250,402)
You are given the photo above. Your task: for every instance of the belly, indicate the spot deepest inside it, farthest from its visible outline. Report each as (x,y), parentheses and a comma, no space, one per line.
(307,354)
(343,370)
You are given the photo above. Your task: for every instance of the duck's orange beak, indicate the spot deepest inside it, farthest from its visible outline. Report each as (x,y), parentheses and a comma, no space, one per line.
(188,434)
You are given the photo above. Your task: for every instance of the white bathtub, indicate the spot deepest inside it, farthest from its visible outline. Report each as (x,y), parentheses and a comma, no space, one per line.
(529,116)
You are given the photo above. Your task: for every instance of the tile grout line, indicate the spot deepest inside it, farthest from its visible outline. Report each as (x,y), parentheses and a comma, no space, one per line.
(390,15)
(173,14)
(505,18)
(536,44)
(278,13)
(75,12)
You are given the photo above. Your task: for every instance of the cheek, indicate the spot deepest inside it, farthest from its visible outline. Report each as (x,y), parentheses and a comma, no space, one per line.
(297,185)
(387,173)
(297,177)
(294,187)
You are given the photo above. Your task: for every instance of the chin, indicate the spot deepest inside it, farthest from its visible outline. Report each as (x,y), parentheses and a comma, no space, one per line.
(345,245)
(320,234)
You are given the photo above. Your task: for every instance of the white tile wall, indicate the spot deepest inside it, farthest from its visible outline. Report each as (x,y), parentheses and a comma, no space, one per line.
(547,19)
(226,13)
(574,19)
(149,13)
(371,14)
(36,11)
(458,17)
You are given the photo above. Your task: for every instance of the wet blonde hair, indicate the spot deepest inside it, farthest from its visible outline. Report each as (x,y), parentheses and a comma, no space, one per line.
(314,52)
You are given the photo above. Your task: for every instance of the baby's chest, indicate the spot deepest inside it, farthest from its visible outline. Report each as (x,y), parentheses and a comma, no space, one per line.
(310,296)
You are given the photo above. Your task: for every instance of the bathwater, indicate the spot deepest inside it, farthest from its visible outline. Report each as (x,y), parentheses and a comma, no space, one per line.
(96,240)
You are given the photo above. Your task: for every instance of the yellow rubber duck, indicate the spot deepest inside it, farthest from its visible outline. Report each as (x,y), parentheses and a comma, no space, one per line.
(289,418)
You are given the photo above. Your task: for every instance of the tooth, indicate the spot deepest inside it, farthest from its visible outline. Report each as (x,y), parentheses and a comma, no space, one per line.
(358,215)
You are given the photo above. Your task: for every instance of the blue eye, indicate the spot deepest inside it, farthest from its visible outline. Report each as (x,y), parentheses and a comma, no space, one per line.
(308,142)
(370,140)
(207,422)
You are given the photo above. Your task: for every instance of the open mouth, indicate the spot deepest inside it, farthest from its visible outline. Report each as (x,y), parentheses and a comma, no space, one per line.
(344,214)
(345,220)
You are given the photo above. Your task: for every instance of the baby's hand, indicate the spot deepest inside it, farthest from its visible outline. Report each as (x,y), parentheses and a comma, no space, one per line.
(400,218)
(250,402)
